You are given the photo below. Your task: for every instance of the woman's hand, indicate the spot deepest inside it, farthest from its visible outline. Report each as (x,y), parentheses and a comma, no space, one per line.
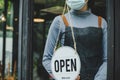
(78,77)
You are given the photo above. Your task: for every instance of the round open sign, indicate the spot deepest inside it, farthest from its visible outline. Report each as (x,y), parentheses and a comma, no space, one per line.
(65,64)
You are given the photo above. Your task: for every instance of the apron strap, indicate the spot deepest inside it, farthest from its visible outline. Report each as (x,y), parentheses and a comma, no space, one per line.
(65,20)
(99,21)
(67,24)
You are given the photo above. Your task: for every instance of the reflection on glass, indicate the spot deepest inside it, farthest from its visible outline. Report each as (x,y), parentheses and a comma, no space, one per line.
(1,44)
(48,13)
(42,21)
(9,36)
(2,19)
(9,39)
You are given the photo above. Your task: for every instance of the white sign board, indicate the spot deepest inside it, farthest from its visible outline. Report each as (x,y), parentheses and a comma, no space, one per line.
(65,64)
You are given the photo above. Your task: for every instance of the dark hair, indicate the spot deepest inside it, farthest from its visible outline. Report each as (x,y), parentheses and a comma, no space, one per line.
(91,3)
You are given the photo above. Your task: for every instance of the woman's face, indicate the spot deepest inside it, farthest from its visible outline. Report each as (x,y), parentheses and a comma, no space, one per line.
(77,4)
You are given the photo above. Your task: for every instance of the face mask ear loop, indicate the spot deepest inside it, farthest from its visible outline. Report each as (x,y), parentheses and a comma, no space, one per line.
(72,29)
(64,9)
(65,6)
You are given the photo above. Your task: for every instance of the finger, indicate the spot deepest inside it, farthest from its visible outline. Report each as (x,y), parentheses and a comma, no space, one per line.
(78,78)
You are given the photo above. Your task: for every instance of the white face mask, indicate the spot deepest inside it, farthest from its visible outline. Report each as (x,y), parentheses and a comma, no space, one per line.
(76,4)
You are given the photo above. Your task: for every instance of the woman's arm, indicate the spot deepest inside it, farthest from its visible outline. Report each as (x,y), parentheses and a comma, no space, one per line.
(102,72)
(50,44)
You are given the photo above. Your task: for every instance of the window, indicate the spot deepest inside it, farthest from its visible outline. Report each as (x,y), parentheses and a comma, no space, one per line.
(45,11)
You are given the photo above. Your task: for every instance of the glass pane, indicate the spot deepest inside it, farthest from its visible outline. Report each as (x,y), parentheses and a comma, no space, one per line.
(2,19)
(44,14)
(40,31)
(9,39)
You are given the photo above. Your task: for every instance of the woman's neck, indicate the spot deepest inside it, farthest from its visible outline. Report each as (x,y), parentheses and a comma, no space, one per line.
(85,8)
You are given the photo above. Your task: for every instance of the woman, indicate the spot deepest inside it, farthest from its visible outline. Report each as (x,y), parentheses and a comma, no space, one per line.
(90,33)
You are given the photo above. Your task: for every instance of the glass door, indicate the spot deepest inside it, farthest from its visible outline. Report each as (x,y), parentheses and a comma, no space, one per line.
(44,13)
